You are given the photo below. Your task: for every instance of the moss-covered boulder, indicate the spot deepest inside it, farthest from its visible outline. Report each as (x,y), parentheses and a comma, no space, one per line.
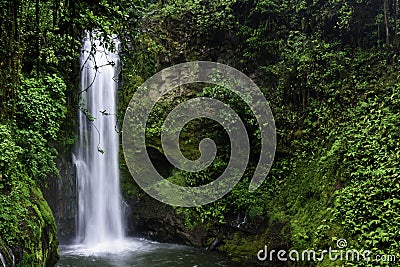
(28,235)
(27,232)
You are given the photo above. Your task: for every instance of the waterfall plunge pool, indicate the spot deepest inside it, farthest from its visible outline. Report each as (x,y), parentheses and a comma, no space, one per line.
(135,252)
(99,209)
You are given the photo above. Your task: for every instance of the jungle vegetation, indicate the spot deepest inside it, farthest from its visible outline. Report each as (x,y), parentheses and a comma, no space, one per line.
(329,69)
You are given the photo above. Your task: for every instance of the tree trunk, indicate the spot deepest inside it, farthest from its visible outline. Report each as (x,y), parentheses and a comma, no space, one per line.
(395,5)
(386,14)
(37,9)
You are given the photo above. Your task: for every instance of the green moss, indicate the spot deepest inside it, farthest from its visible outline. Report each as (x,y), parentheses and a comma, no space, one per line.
(243,248)
(297,214)
(27,225)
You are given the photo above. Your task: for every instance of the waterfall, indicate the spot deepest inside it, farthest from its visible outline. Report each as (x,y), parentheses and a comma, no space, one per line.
(2,260)
(100,218)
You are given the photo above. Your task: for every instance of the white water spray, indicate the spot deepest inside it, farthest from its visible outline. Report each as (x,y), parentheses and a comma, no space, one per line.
(99,222)
(2,260)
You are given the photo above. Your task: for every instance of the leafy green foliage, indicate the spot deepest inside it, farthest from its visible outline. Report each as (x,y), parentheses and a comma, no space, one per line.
(332,86)
(37,155)
(368,206)
(331,83)
(25,217)
(41,105)
(39,45)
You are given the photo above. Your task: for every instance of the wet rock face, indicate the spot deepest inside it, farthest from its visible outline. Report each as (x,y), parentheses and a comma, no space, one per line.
(62,197)
(157,221)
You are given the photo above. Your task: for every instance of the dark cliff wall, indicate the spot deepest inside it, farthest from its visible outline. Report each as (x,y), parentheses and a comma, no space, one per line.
(61,195)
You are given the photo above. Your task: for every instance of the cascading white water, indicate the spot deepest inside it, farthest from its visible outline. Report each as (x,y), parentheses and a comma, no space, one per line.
(2,260)
(99,219)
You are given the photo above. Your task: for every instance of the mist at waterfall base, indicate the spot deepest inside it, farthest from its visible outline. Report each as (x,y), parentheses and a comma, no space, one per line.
(143,253)
(100,239)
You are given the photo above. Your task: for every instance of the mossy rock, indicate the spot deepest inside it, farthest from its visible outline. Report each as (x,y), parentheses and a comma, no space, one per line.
(27,226)
(28,232)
